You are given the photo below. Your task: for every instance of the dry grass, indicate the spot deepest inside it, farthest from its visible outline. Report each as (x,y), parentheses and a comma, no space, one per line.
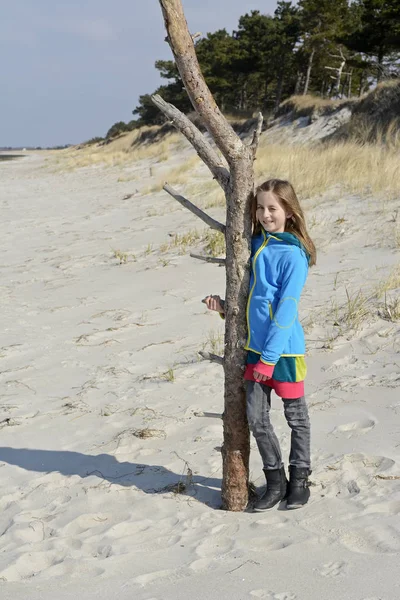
(169,375)
(363,130)
(214,342)
(391,283)
(303,106)
(118,153)
(177,175)
(148,433)
(215,243)
(356,310)
(390,310)
(349,315)
(121,256)
(182,242)
(314,170)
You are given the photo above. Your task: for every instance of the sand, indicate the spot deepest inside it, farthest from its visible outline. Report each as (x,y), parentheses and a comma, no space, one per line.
(101,382)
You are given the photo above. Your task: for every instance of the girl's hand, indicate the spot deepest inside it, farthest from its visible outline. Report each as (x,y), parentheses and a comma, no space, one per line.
(214,302)
(260,377)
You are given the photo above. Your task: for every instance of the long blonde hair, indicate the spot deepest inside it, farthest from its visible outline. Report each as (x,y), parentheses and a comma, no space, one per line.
(296,224)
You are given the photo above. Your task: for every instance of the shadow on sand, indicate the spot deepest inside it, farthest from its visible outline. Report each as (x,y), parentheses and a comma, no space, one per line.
(151,479)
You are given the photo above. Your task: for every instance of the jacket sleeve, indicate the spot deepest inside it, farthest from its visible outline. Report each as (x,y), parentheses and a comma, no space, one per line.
(294,275)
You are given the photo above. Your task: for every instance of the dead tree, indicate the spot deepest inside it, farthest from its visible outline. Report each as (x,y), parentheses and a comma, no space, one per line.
(234,173)
(339,71)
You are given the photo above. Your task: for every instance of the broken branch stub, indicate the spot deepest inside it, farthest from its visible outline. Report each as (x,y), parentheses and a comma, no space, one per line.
(212,357)
(209,259)
(256,134)
(194,209)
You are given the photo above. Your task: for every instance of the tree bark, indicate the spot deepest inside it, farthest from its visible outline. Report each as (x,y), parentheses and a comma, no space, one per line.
(238,191)
(182,46)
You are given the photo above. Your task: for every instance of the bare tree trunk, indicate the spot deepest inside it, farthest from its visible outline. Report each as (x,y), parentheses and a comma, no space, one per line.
(280,85)
(339,72)
(298,83)
(308,74)
(238,184)
(349,84)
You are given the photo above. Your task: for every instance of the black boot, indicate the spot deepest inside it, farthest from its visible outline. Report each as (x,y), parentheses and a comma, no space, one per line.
(276,489)
(298,488)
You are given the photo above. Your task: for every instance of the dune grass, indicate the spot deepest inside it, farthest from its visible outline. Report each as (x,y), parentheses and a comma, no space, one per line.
(308,104)
(354,165)
(356,168)
(119,152)
(177,175)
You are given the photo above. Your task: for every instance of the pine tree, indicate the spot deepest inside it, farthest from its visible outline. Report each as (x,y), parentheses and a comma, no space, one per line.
(376,32)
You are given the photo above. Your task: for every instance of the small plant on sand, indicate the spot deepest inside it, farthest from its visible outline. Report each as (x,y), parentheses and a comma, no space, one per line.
(214,342)
(169,375)
(348,316)
(148,433)
(356,310)
(397,237)
(391,283)
(182,241)
(121,256)
(185,482)
(215,243)
(164,262)
(390,311)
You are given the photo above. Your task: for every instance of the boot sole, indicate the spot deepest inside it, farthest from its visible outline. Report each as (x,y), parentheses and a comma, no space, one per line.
(294,506)
(261,510)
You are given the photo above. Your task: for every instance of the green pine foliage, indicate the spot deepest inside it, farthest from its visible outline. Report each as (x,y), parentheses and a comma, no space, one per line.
(297,50)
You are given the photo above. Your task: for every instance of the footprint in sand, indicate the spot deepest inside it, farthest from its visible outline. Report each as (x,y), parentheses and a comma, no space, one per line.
(377,538)
(355,428)
(219,541)
(332,569)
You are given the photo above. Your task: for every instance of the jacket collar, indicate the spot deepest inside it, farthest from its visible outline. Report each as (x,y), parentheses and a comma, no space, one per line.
(286,238)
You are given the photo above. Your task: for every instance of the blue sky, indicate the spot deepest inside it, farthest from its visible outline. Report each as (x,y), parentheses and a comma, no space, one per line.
(70,70)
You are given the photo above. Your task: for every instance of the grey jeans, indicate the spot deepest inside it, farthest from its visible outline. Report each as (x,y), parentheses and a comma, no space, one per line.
(258,415)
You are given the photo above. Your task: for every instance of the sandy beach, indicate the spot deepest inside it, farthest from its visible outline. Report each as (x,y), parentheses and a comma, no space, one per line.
(102,384)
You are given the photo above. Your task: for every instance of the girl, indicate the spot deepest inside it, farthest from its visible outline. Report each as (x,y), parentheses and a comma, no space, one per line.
(281,253)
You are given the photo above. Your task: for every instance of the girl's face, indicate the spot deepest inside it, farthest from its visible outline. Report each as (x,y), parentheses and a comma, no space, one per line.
(270,213)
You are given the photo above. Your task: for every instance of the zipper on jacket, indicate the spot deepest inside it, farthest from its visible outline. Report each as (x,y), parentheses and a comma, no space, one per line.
(271,316)
(265,242)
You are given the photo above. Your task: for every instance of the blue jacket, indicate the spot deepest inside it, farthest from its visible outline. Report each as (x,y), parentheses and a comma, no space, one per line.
(279,271)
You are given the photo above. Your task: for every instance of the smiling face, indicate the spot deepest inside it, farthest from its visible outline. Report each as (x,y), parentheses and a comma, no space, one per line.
(270,213)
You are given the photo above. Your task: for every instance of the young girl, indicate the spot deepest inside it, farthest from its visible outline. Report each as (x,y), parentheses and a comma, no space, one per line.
(281,253)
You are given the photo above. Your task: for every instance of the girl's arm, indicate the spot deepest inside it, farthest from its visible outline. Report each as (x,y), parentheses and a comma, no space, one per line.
(293,280)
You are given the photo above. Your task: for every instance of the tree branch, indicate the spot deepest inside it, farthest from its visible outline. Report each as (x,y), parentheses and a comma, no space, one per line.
(212,357)
(208,414)
(195,210)
(196,138)
(182,46)
(256,134)
(209,259)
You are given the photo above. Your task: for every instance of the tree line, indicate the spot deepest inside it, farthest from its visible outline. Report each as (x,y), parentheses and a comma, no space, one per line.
(332,49)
